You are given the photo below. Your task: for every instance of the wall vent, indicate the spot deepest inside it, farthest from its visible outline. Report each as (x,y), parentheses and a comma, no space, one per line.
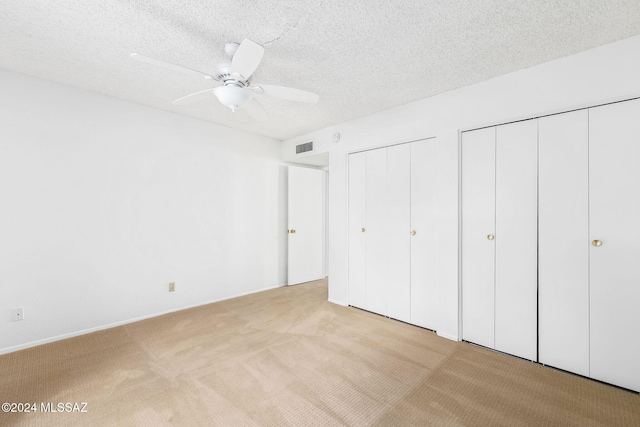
(303,148)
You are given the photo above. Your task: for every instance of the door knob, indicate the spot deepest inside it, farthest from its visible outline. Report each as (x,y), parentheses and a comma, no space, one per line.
(413,232)
(292,231)
(597,243)
(363,230)
(491,237)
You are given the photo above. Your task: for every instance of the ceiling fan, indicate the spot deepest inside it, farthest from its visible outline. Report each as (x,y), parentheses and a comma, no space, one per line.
(234,88)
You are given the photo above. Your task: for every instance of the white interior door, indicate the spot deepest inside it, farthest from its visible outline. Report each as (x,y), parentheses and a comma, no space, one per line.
(357,230)
(614,199)
(398,232)
(478,229)
(424,222)
(563,241)
(516,237)
(376,230)
(306,224)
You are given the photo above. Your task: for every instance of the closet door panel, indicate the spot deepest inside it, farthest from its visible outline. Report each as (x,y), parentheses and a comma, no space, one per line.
(357,221)
(478,222)
(398,232)
(424,221)
(563,241)
(516,239)
(376,230)
(614,198)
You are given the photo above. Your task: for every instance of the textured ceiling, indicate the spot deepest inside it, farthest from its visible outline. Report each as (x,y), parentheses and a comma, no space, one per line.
(360,56)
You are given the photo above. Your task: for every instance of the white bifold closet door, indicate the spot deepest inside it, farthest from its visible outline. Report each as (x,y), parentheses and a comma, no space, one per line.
(392,231)
(376,231)
(368,231)
(499,238)
(424,233)
(397,230)
(614,202)
(516,324)
(357,188)
(563,241)
(478,231)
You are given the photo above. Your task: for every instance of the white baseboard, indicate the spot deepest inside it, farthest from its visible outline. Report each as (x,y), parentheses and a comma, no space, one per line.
(447,336)
(123,322)
(337,302)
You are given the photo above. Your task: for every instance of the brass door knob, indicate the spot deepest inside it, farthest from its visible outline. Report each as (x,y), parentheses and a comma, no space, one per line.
(597,243)
(491,237)
(292,231)
(363,230)
(413,232)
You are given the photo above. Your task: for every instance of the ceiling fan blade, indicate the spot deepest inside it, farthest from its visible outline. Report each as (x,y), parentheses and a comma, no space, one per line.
(288,93)
(193,97)
(247,58)
(256,110)
(170,66)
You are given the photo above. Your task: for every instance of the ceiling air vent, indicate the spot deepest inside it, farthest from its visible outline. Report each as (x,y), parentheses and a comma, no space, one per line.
(303,148)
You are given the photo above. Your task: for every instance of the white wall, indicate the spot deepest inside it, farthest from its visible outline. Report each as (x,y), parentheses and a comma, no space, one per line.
(104,202)
(591,77)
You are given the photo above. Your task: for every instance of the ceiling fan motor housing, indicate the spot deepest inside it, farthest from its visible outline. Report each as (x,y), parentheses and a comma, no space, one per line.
(226,76)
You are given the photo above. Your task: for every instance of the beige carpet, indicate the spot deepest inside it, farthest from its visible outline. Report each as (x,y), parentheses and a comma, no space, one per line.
(289,357)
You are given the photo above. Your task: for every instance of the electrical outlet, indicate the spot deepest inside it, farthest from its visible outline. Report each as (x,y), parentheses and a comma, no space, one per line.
(17,314)
(172,286)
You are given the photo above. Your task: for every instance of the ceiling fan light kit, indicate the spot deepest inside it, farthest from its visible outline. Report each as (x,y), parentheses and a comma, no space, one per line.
(232,96)
(236,90)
